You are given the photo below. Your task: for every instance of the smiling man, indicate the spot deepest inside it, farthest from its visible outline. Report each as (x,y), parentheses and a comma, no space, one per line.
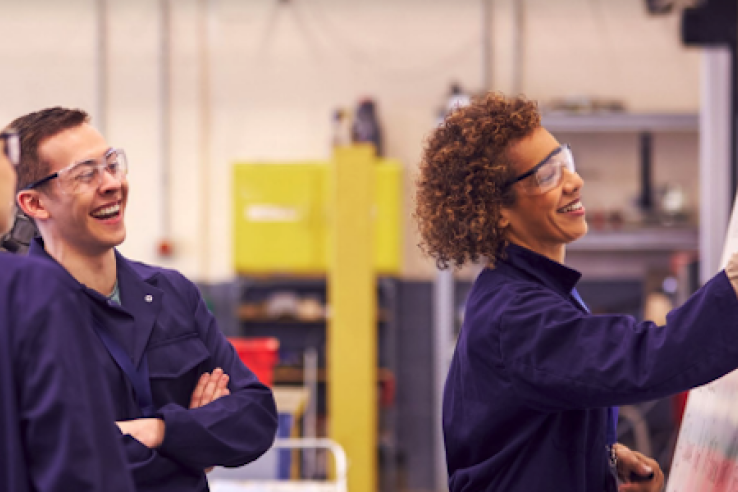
(56,433)
(183,400)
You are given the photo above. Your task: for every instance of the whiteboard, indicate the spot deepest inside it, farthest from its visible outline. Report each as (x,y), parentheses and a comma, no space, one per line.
(706,455)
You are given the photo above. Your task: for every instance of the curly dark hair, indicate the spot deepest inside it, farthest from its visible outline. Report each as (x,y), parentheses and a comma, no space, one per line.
(464,169)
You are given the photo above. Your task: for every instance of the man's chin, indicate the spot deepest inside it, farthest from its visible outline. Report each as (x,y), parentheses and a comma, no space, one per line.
(119,240)
(110,241)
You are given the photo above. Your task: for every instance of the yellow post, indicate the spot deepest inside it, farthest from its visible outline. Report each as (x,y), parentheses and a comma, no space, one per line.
(352,337)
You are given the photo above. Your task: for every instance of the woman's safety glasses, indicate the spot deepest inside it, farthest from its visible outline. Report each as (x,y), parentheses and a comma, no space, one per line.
(81,177)
(546,175)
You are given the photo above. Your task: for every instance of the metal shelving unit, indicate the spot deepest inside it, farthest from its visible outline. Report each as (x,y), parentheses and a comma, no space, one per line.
(642,124)
(648,239)
(621,122)
(301,336)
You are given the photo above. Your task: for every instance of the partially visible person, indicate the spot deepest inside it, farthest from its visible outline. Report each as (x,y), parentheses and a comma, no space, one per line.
(530,399)
(56,432)
(181,395)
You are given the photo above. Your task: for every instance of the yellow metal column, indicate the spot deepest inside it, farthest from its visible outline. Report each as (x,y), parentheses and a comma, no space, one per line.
(352,336)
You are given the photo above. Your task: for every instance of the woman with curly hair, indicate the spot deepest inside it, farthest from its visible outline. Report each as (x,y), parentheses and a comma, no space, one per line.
(529,399)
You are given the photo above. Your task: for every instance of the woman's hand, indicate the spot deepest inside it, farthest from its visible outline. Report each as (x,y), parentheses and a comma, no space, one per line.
(634,470)
(731,270)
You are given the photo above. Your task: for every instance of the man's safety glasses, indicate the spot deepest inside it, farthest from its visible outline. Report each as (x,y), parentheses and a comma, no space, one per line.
(546,175)
(11,141)
(81,177)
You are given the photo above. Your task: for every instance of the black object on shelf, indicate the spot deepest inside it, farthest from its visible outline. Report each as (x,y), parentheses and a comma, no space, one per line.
(715,23)
(645,200)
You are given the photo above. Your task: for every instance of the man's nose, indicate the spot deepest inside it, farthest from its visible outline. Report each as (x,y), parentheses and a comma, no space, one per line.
(109,182)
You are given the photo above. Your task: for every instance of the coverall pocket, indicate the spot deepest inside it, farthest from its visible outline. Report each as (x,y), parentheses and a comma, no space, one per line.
(174,368)
(170,359)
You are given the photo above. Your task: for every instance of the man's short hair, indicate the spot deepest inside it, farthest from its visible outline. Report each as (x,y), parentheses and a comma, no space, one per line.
(36,127)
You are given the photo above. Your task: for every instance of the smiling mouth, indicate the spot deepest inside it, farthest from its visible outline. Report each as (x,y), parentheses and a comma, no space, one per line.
(107,212)
(577,205)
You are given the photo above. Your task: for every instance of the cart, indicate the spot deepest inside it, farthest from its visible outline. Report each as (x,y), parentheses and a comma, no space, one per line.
(222,484)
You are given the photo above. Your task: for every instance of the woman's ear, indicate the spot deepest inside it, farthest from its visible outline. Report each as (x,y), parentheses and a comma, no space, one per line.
(32,205)
(504,219)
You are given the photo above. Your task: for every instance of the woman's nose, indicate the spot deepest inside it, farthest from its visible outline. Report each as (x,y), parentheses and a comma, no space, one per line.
(572,181)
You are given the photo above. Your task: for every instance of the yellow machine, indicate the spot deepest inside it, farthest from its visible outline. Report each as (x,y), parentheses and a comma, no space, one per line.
(282,216)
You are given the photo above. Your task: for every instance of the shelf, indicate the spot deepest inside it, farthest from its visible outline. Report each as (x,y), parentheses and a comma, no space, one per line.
(621,122)
(248,318)
(281,321)
(638,240)
(295,375)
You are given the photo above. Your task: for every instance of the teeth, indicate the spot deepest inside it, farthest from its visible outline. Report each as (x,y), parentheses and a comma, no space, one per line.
(107,211)
(574,206)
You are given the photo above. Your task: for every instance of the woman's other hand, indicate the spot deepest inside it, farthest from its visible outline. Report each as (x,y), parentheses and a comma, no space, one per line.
(634,470)
(731,270)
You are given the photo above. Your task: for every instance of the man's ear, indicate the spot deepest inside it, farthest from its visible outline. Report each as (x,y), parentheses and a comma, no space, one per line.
(33,204)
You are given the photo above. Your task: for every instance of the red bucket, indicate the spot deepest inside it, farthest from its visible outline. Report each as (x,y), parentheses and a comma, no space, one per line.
(259,354)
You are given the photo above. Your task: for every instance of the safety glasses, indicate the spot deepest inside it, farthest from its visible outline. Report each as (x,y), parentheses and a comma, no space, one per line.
(81,177)
(546,175)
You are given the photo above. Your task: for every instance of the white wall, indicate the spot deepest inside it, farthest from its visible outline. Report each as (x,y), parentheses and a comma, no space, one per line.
(277,70)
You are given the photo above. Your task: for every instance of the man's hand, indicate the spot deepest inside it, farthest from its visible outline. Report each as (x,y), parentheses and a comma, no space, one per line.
(634,470)
(209,388)
(149,431)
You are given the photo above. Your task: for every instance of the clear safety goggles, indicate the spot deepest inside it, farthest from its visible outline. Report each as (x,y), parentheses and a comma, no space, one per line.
(546,175)
(11,141)
(87,175)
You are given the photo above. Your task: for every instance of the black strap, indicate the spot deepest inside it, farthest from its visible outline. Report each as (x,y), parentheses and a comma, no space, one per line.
(139,378)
